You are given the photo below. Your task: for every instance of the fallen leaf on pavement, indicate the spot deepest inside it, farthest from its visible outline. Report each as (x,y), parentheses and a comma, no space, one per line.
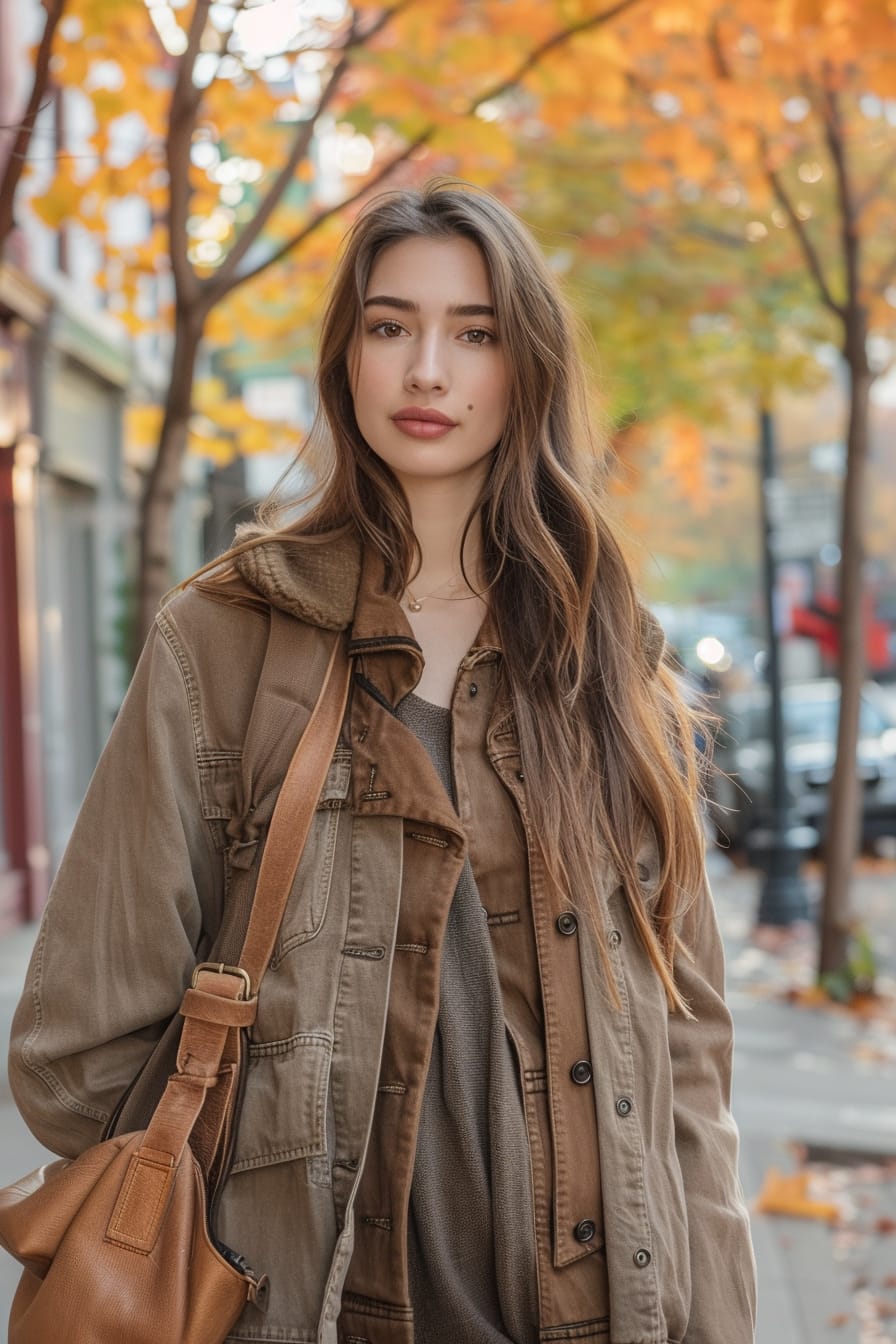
(788,1196)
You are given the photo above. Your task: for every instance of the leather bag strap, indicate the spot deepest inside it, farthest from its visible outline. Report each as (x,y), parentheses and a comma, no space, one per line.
(223,999)
(291,822)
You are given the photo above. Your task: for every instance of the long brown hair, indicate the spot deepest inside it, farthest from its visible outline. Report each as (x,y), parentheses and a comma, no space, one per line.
(605,733)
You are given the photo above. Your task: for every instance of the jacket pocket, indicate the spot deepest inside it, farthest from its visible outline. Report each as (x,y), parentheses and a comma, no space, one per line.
(310,894)
(283,1115)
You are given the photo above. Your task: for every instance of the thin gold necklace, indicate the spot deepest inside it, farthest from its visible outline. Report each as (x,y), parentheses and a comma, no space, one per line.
(416,603)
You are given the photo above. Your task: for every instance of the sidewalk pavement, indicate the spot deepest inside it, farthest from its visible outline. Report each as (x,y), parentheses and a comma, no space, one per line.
(815,1092)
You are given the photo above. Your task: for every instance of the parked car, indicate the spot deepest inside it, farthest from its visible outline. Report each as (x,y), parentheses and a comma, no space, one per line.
(740,786)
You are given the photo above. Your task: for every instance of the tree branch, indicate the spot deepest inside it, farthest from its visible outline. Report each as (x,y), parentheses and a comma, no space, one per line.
(537,55)
(18,153)
(534,57)
(724,71)
(226,275)
(185,102)
(849,234)
(807,247)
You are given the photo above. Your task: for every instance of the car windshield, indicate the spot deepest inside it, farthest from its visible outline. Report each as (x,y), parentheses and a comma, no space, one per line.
(813,720)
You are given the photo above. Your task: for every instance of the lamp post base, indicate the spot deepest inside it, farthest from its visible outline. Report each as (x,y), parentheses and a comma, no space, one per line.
(779,854)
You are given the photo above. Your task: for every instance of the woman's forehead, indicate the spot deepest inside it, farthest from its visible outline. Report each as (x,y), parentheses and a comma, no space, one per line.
(427,269)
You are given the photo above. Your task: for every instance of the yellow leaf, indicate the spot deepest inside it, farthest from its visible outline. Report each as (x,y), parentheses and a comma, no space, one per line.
(142,425)
(788,1196)
(61,203)
(217,449)
(207,392)
(132,322)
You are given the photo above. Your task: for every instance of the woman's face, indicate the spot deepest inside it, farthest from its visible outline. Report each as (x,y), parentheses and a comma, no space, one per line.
(429,372)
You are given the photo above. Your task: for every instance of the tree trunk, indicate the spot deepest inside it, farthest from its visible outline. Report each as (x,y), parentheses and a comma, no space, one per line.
(163,483)
(844,801)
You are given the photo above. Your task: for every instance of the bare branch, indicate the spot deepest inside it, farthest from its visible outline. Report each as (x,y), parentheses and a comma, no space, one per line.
(186,99)
(18,153)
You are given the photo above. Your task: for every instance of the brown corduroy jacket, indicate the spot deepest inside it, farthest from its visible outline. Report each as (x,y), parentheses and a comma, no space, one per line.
(641,1232)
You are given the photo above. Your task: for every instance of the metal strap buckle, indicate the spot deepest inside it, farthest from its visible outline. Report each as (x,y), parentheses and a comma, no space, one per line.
(220,969)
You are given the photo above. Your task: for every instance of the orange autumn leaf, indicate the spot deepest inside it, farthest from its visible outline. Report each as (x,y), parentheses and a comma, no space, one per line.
(787,1195)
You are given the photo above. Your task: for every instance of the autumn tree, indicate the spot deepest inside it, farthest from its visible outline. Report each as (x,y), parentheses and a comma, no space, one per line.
(782,106)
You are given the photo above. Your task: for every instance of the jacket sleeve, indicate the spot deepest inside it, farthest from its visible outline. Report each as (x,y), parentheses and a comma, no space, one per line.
(116,945)
(723,1271)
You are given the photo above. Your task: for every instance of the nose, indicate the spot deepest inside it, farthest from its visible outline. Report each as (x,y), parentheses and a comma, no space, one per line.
(427,368)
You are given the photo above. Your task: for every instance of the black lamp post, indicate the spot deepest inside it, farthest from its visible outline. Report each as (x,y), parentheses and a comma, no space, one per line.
(778,843)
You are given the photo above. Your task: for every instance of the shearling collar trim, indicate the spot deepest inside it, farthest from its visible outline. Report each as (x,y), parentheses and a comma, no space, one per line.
(314,579)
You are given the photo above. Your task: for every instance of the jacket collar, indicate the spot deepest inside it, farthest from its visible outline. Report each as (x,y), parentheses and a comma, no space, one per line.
(314,578)
(335,583)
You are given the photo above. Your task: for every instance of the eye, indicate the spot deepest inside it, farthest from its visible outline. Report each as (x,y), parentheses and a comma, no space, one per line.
(478,336)
(388,328)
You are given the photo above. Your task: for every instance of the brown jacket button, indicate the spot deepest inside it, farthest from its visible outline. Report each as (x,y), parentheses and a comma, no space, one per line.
(624,1106)
(581,1071)
(642,1258)
(567,923)
(585,1230)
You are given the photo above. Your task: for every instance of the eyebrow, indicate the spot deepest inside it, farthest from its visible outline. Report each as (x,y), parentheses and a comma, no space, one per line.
(407,306)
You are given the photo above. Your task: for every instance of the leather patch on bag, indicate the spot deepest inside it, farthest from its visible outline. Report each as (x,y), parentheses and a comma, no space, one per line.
(138,1211)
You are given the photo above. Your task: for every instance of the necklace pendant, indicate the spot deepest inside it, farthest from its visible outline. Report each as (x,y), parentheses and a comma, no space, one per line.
(414,605)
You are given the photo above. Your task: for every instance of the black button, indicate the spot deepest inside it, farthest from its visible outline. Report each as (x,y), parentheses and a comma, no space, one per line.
(520,776)
(641,1258)
(615,937)
(567,923)
(624,1106)
(643,872)
(585,1230)
(581,1071)
(473,688)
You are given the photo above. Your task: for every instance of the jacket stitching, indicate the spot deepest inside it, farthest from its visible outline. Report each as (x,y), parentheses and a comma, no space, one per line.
(46,1075)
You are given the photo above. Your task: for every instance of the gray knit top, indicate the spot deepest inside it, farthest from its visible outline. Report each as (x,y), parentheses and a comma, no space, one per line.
(471,1237)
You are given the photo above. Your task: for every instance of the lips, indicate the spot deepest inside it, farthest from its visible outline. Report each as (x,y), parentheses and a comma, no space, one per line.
(424,415)
(421,422)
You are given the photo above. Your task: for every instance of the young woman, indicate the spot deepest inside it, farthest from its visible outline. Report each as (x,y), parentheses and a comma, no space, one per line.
(489,1081)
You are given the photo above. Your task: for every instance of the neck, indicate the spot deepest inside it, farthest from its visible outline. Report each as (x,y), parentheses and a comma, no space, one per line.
(438,515)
